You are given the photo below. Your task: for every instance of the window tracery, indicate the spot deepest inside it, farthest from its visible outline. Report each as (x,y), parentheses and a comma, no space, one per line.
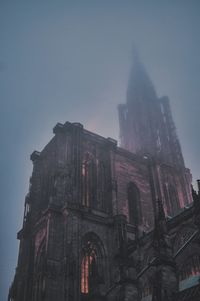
(91,264)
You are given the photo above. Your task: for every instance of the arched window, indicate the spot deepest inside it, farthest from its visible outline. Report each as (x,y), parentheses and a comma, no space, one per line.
(92,263)
(89,182)
(88,268)
(134,204)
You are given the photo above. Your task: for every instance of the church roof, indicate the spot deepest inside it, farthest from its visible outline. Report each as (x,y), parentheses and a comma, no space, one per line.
(189,294)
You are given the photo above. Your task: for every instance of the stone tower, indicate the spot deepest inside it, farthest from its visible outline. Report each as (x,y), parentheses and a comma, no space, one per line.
(84,190)
(146,123)
(147,128)
(86,232)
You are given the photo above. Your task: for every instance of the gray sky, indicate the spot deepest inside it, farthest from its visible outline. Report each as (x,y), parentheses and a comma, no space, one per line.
(70,60)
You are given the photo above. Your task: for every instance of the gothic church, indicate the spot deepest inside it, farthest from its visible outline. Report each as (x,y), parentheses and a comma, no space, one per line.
(103,222)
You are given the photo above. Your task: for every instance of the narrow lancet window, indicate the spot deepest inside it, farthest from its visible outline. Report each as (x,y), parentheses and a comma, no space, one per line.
(89,182)
(101,186)
(134,204)
(88,269)
(92,264)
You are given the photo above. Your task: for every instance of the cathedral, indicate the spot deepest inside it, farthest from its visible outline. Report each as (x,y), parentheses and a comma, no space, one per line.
(109,223)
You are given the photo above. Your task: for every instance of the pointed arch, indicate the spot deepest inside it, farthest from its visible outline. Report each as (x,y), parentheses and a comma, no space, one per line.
(134,204)
(92,263)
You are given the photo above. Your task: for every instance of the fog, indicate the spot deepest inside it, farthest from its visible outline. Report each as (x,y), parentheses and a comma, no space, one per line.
(70,61)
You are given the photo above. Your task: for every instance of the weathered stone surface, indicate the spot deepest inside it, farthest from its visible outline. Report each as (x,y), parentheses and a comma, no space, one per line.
(89,215)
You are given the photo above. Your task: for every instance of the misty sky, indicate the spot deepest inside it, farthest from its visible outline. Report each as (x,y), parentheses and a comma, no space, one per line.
(70,61)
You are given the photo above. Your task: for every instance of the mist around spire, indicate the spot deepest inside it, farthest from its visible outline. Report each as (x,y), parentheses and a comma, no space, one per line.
(140,86)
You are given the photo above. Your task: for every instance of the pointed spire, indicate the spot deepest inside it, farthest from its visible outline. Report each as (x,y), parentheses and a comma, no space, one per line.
(140,86)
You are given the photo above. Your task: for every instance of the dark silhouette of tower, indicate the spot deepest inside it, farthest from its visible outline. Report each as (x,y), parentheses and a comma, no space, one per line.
(146,123)
(147,128)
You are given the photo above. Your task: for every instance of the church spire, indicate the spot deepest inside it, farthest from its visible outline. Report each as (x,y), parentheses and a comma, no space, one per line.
(140,86)
(147,127)
(146,122)
(138,117)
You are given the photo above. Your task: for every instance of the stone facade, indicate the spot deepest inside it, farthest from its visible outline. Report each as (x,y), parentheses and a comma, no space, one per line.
(103,222)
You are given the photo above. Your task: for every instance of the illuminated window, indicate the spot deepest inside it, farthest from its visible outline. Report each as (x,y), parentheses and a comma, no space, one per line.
(92,264)
(88,270)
